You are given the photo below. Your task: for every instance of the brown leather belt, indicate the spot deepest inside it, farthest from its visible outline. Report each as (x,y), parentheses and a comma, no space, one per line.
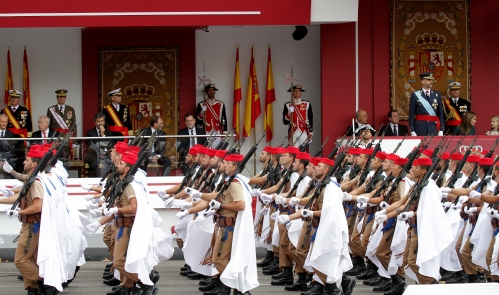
(223,221)
(37,217)
(289,210)
(124,221)
(371,209)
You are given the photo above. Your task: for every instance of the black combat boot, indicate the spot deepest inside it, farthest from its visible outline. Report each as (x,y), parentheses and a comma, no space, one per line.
(369,273)
(384,285)
(347,285)
(287,278)
(315,288)
(398,285)
(267,261)
(211,285)
(459,278)
(359,266)
(147,289)
(332,289)
(299,285)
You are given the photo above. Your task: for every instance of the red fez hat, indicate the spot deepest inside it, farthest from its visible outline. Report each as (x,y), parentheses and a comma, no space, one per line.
(456,156)
(401,161)
(428,153)
(303,156)
(292,150)
(193,151)
(133,149)
(354,151)
(210,152)
(327,161)
(278,151)
(473,159)
(486,162)
(234,158)
(381,156)
(391,157)
(36,151)
(484,152)
(121,147)
(315,160)
(129,157)
(422,162)
(367,152)
(220,154)
(445,156)
(268,149)
(203,150)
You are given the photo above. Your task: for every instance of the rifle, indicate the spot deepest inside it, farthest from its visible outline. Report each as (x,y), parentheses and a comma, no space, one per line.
(399,144)
(138,136)
(238,170)
(319,151)
(206,143)
(60,148)
(295,186)
(336,148)
(304,146)
(204,178)
(457,173)
(367,168)
(222,142)
(32,177)
(239,145)
(122,184)
(187,176)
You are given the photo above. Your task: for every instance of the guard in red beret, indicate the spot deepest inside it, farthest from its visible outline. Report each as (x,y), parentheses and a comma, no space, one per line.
(266,160)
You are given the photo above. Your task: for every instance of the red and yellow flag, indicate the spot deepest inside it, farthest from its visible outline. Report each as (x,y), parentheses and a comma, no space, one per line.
(26,89)
(268,124)
(238,96)
(253,109)
(9,84)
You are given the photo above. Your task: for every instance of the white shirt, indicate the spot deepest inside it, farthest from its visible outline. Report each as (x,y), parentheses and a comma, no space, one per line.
(14,108)
(59,107)
(193,130)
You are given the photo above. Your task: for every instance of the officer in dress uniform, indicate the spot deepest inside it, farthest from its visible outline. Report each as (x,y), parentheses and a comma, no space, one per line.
(426,114)
(117,114)
(19,116)
(299,116)
(216,120)
(455,107)
(61,115)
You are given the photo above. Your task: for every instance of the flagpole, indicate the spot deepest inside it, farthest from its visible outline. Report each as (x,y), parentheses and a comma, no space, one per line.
(254,129)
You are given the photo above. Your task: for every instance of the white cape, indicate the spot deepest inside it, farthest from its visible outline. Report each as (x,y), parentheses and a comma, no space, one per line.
(480,238)
(199,236)
(296,225)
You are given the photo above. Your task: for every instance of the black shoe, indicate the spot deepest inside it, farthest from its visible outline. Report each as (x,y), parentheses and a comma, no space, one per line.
(267,260)
(384,286)
(215,290)
(205,282)
(237,292)
(185,267)
(115,291)
(20,277)
(147,289)
(287,278)
(374,281)
(447,276)
(277,276)
(109,265)
(473,279)
(112,282)
(213,284)
(435,282)
(332,289)
(347,285)
(459,278)
(272,271)
(49,290)
(481,277)
(299,285)
(315,288)
(125,291)
(275,262)
(369,273)
(359,267)
(398,285)
(186,271)
(32,291)
(196,276)
(108,276)
(154,276)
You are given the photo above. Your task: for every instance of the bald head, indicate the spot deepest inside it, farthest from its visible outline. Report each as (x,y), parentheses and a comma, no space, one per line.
(362,116)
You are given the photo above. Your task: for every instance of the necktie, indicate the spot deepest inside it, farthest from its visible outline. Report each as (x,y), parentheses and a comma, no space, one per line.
(61,108)
(3,135)
(193,142)
(117,107)
(98,133)
(395,130)
(14,109)
(44,136)
(427,93)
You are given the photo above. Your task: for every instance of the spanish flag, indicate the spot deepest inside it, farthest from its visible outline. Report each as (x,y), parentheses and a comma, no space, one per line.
(268,124)
(26,89)
(238,96)
(253,109)
(9,84)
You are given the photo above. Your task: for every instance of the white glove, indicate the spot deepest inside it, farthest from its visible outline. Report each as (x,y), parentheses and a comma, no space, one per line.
(186,205)
(280,200)
(102,199)
(347,197)
(444,195)
(182,214)
(89,197)
(475,195)
(291,109)
(494,214)
(17,184)
(91,207)
(489,211)
(446,204)
(264,211)
(380,212)
(361,205)
(162,194)
(6,167)
(102,183)
(195,194)
(458,206)
(7,192)
(203,108)
(256,192)
(274,215)
(95,200)
(470,210)
(93,227)
(283,219)
(445,190)
(440,133)
(384,205)
(169,202)
(463,199)
(209,213)
(294,201)
(214,204)
(362,199)
(86,187)
(413,133)
(110,212)
(12,213)
(380,219)
(96,213)
(405,216)
(306,213)
(266,198)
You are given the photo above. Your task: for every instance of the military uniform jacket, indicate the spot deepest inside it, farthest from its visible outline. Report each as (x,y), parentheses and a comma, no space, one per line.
(123,115)
(69,118)
(22,116)
(216,120)
(302,116)
(425,127)
(454,112)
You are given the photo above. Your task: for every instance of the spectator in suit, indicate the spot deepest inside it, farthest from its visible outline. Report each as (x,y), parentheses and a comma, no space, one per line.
(157,153)
(360,123)
(44,132)
(11,152)
(184,144)
(394,128)
(98,151)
